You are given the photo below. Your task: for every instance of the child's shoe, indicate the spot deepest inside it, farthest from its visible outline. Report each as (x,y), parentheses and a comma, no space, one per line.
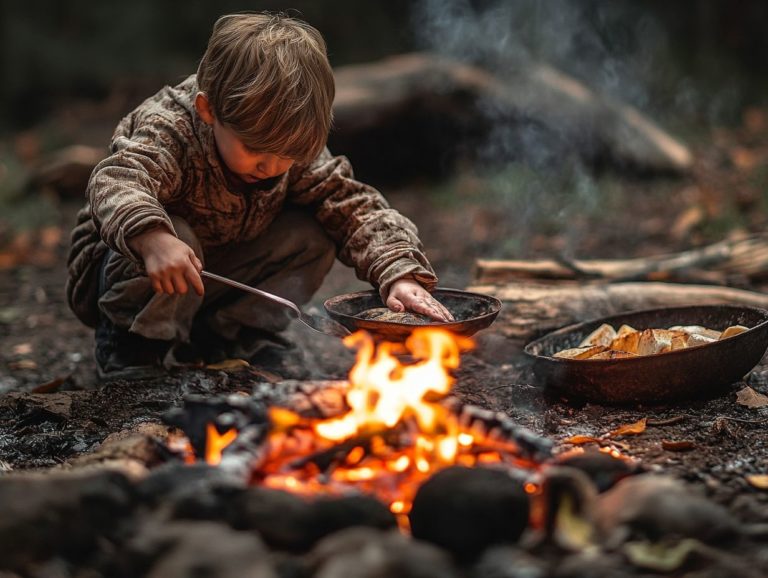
(121,354)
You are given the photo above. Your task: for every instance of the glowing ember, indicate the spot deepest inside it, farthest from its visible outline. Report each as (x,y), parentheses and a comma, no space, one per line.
(215,443)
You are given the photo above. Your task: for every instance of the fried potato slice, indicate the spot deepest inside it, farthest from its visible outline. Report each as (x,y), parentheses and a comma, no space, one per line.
(695,339)
(733,330)
(606,343)
(625,330)
(627,342)
(679,342)
(697,330)
(580,352)
(653,341)
(603,335)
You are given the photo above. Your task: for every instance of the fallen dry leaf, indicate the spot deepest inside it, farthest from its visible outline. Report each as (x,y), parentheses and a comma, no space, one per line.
(743,158)
(678,446)
(579,440)
(748,397)
(687,221)
(23,364)
(51,386)
(759,481)
(229,365)
(660,557)
(630,429)
(22,349)
(264,375)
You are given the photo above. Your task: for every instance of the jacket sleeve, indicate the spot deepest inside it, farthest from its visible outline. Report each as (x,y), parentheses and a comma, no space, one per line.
(380,243)
(127,190)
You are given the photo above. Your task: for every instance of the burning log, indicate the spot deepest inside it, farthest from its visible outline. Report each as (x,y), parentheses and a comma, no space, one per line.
(497,425)
(326,458)
(207,421)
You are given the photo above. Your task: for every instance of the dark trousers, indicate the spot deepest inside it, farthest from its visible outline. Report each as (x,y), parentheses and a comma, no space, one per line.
(290,259)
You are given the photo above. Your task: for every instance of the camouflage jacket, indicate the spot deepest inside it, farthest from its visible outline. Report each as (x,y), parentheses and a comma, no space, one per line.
(164,161)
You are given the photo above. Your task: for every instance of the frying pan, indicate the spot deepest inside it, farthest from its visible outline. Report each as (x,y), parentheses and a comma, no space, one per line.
(472,312)
(683,373)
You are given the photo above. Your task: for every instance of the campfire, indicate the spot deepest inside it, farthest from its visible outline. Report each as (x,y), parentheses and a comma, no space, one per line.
(400,426)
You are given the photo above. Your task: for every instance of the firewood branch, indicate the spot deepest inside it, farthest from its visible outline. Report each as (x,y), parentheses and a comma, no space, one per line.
(531,309)
(743,258)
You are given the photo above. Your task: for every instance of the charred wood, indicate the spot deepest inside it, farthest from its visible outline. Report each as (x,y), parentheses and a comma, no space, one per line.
(497,424)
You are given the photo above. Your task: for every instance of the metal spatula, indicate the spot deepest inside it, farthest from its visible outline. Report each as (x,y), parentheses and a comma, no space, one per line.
(316,322)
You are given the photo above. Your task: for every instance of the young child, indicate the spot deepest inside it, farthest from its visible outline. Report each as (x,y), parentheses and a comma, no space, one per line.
(229,171)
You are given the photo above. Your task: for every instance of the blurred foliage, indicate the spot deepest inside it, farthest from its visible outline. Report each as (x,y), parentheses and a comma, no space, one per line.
(690,63)
(699,56)
(81,48)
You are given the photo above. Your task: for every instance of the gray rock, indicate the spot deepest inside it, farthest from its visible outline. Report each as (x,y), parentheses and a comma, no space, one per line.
(370,553)
(67,515)
(289,522)
(466,510)
(593,565)
(508,562)
(655,507)
(205,549)
(280,518)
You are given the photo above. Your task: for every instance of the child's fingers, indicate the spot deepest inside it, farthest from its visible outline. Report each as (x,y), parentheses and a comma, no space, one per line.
(429,307)
(395,304)
(448,315)
(167,286)
(196,263)
(157,285)
(180,283)
(194,279)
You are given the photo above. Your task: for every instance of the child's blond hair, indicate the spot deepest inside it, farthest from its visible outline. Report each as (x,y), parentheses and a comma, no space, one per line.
(267,77)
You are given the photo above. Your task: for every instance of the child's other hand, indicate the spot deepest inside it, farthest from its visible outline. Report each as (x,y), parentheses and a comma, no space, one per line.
(171,264)
(409,295)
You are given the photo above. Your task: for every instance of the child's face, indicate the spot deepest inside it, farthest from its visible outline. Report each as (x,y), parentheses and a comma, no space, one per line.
(251,166)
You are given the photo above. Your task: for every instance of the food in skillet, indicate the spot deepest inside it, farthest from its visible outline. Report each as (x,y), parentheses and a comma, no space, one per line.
(605,342)
(385,314)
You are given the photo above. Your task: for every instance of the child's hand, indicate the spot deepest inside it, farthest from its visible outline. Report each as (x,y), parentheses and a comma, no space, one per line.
(409,295)
(171,264)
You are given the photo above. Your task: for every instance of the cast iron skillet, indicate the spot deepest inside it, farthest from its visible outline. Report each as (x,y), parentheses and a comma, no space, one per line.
(472,311)
(684,373)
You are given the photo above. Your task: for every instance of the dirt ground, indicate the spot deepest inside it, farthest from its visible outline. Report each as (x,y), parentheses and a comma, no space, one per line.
(52,408)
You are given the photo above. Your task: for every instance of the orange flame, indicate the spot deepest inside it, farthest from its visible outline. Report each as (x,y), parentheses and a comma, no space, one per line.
(383,391)
(216,442)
